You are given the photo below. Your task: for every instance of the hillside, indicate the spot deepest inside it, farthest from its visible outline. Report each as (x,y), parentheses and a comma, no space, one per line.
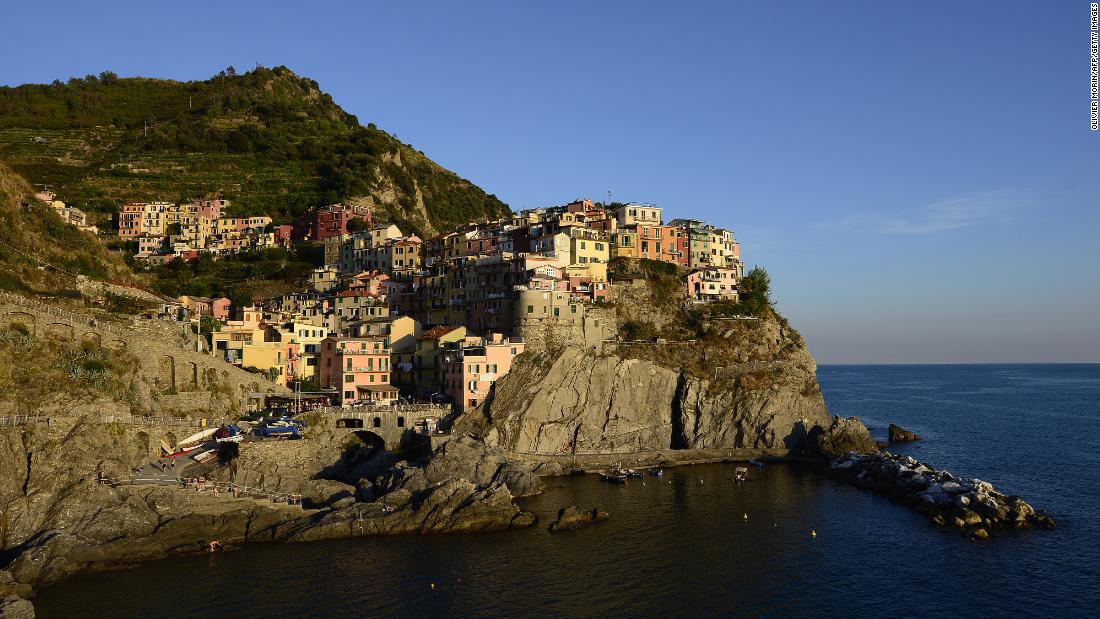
(268,140)
(40,253)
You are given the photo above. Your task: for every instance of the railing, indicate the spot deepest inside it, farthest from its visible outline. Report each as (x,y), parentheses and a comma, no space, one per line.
(23,420)
(183,422)
(441,409)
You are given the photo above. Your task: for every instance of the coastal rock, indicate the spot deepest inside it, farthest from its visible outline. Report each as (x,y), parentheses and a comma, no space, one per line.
(899,434)
(845,436)
(468,458)
(324,492)
(15,607)
(572,518)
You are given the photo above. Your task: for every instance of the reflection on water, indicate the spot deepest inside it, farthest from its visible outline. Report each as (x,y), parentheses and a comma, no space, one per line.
(681,546)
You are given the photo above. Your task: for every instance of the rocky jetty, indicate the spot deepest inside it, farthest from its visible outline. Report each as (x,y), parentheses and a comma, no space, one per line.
(572,518)
(973,506)
(899,434)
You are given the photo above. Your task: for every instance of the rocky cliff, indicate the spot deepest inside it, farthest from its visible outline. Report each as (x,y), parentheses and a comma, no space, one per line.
(745,384)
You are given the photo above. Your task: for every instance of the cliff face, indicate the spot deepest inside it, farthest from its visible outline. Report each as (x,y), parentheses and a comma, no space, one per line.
(747,385)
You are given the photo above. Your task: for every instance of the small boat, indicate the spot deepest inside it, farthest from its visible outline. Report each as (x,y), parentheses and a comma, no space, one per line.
(656,472)
(757,463)
(613,477)
(577,471)
(633,473)
(741,474)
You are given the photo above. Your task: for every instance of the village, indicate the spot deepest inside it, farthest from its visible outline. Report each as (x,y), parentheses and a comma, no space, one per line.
(393,318)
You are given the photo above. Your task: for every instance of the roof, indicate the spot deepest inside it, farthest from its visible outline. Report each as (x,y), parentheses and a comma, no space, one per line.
(359,292)
(377,388)
(437,332)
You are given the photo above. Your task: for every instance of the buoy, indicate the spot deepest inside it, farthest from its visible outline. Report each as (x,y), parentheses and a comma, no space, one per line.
(813,533)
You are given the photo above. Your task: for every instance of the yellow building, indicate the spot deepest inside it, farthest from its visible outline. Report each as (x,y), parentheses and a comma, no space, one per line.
(622,243)
(588,246)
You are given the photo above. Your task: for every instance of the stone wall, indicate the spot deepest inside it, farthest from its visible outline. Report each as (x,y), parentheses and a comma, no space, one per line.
(551,335)
(172,376)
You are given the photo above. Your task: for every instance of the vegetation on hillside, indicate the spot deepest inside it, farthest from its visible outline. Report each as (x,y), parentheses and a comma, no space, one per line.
(268,140)
(40,372)
(242,277)
(667,294)
(39,252)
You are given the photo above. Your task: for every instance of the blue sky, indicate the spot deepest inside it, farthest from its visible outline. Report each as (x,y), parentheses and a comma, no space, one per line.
(920,180)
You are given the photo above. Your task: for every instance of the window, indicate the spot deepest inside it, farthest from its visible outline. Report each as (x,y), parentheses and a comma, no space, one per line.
(530,309)
(472,386)
(401,422)
(349,395)
(377,423)
(348,378)
(557,311)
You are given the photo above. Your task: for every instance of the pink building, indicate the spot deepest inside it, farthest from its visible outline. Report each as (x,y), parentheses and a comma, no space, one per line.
(372,282)
(471,369)
(219,308)
(358,368)
(210,209)
(712,284)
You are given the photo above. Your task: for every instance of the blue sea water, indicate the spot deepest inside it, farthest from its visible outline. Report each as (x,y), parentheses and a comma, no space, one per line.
(694,544)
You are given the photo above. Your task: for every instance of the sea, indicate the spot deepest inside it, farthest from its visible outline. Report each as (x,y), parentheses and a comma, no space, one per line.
(693,543)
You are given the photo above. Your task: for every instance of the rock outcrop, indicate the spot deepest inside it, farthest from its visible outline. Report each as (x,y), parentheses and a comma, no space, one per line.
(845,436)
(58,519)
(572,518)
(899,434)
(618,403)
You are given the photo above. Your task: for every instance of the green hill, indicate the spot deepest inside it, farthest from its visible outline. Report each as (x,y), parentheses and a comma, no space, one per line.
(40,253)
(268,140)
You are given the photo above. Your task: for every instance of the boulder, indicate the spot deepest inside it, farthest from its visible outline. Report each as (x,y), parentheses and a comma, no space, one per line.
(899,434)
(468,458)
(845,436)
(572,518)
(15,607)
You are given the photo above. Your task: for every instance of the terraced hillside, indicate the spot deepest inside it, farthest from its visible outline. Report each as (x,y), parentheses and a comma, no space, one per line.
(40,253)
(268,140)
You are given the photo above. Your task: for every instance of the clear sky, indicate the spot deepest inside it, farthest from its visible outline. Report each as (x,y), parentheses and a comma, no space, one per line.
(919,178)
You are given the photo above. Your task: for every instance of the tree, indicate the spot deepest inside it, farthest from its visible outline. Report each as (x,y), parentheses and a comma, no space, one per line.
(231,71)
(209,324)
(754,291)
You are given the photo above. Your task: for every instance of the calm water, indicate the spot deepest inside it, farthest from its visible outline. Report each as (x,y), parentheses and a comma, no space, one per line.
(677,547)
